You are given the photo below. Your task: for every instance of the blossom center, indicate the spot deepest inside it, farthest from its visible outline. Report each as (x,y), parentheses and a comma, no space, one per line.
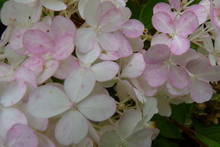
(73,105)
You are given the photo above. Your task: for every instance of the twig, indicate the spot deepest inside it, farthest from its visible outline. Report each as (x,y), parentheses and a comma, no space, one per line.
(188,132)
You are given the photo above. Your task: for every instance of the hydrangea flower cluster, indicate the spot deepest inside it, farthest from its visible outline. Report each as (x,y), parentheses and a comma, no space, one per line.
(56,69)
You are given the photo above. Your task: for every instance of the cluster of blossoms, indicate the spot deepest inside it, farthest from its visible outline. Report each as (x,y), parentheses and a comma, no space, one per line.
(90,46)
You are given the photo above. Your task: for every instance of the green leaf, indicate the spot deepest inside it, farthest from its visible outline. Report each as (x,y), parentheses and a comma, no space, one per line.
(167,129)
(147,13)
(163,142)
(180,112)
(207,141)
(2,2)
(209,134)
(195,2)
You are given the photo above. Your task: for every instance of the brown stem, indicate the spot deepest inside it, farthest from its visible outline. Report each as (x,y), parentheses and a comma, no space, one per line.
(188,132)
(73,17)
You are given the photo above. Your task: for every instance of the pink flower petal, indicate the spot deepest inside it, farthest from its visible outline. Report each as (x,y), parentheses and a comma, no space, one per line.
(17,37)
(196,66)
(101,68)
(200,12)
(163,22)
(185,58)
(64,47)
(176,4)
(126,13)
(108,41)
(98,107)
(35,64)
(71,128)
(136,43)
(104,7)
(62,26)
(66,66)
(111,20)
(49,69)
(12,92)
(211,73)
(178,77)
(161,39)
(165,8)
(8,117)
(133,28)
(179,45)
(20,135)
(200,91)
(134,67)
(28,76)
(158,53)
(187,23)
(214,15)
(87,35)
(37,42)
(90,56)
(156,74)
(105,55)
(125,48)
(174,91)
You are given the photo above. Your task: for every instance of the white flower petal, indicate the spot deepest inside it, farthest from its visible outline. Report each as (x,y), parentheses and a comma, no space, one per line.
(98,107)
(71,128)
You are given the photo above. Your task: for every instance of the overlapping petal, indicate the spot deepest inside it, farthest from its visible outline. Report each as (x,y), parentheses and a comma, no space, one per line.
(8,117)
(163,22)
(134,67)
(20,135)
(98,107)
(128,122)
(62,26)
(87,35)
(100,68)
(12,92)
(79,83)
(64,47)
(37,42)
(200,91)
(133,28)
(156,74)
